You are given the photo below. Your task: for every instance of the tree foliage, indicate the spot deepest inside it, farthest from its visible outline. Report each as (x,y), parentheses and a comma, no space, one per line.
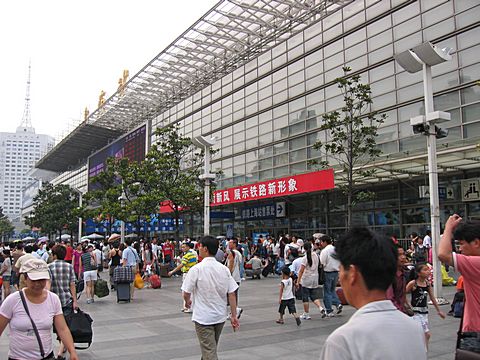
(55,208)
(6,226)
(173,165)
(351,134)
(169,173)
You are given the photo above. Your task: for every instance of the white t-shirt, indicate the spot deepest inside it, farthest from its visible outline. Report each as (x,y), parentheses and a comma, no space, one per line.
(427,241)
(328,261)
(310,274)
(209,282)
(23,342)
(401,336)
(295,266)
(98,256)
(287,289)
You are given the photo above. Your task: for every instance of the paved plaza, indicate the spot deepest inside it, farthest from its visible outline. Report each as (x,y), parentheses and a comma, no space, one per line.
(152,327)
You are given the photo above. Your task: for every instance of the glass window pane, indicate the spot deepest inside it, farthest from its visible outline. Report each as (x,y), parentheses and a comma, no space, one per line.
(470,94)
(471,113)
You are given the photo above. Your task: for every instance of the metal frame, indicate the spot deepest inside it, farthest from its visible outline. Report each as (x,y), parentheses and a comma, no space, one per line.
(229,35)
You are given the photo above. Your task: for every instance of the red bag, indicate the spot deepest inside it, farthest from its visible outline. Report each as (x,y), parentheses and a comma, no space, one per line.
(155,281)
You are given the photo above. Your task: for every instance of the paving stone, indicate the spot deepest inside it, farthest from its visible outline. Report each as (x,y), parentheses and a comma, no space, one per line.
(152,327)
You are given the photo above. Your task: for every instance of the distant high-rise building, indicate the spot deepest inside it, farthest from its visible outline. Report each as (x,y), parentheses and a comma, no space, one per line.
(18,153)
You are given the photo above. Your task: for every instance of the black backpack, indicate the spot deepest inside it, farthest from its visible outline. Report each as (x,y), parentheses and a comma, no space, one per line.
(80,325)
(420,254)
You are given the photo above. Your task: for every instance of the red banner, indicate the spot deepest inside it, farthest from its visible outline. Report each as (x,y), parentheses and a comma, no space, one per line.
(292,185)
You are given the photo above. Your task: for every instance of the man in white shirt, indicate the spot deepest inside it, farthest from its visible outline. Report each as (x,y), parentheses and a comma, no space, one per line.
(209,281)
(427,240)
(330,268)
(368,265)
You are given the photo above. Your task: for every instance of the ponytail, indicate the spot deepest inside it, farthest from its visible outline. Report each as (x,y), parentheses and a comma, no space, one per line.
(308,250)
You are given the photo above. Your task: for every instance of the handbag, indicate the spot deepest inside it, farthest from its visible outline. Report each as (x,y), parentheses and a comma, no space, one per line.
(468,344)
(35,330)
(80,325)
(138,283)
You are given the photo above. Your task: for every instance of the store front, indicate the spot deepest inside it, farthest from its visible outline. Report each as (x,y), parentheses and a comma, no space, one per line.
(400,207)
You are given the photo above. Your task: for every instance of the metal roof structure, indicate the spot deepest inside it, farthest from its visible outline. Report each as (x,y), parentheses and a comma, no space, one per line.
(226,37)
(464,156)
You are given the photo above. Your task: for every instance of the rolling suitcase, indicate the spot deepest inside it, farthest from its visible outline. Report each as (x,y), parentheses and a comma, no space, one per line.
(123,292)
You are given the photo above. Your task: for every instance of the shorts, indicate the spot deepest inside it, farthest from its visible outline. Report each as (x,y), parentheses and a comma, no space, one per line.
(6,278)
(290,304)
(422,319)
(313,294)
(15,278)
(90,275)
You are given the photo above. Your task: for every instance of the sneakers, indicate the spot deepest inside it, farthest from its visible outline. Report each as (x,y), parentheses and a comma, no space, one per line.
(89,301)
(323,313)
(330,315)
(299,322)
(187,311)
(339,308)
(305,316)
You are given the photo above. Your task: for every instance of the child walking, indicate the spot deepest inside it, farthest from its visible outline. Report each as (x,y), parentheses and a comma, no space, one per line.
(420,288)
(287,300)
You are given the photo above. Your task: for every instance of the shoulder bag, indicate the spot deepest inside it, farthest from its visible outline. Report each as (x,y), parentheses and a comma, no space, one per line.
(35,330)
(468,344)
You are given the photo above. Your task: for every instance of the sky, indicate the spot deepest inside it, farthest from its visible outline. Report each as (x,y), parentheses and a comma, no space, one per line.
(77,49)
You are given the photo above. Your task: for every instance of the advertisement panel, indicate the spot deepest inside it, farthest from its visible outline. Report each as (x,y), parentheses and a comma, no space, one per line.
(291,185)
(131,146)
(29,192)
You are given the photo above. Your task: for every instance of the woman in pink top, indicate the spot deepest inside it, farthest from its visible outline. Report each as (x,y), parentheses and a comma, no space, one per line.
(45,310)
(77,254)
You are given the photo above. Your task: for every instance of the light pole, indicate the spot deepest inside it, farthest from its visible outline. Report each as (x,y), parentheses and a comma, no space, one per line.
(207,177)
(423,57)
(80,220)
(122,198)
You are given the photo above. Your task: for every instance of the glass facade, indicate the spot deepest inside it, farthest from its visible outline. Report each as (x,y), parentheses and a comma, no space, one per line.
(266,114)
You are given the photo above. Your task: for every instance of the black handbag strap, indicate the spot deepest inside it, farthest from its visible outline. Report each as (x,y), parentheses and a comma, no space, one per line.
(24,302)
(459,333)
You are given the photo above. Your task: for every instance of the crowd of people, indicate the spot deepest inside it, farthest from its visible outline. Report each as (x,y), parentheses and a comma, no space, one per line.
(385,282)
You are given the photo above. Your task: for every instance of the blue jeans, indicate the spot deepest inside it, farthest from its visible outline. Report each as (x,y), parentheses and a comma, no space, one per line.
(242,269)
(329,294)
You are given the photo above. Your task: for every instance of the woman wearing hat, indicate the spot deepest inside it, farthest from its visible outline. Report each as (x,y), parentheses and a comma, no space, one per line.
(31,313)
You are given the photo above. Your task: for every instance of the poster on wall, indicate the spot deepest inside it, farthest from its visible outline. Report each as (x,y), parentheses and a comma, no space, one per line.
(131,146)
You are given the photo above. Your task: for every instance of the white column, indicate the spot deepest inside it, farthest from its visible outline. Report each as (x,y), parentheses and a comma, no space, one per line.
(433,182)
(80,203)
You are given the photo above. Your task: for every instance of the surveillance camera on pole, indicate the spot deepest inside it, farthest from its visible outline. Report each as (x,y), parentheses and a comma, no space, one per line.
(421,58)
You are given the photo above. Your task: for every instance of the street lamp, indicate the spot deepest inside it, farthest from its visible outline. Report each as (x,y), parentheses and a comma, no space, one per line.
(207,177)
(423,57)
(122,198)
(80,203)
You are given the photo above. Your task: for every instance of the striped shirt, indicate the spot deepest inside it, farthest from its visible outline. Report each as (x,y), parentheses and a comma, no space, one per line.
(188,260)
(87,262)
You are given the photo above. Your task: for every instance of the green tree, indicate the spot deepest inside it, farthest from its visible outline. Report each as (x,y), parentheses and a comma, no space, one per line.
(173,165)
(6,226)
(350,143)
(122,176)
(54,209)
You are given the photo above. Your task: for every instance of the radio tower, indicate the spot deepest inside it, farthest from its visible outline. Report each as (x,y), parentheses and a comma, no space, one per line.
(26,119)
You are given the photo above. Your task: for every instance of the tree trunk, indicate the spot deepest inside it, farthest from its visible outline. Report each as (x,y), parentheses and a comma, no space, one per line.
(349,209)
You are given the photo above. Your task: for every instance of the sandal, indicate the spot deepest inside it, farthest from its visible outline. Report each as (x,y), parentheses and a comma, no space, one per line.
(280,322)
